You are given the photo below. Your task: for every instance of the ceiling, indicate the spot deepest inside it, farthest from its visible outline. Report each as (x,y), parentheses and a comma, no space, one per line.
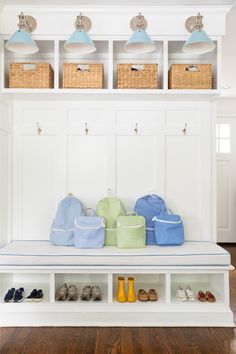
(117,2)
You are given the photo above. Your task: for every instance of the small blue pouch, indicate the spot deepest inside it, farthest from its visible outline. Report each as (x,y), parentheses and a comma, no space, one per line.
(169,230)
(89,232)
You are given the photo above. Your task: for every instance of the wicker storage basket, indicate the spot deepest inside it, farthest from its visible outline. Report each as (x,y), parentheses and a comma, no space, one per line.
(140,76)
(30,75)
(82,76)
(190,76)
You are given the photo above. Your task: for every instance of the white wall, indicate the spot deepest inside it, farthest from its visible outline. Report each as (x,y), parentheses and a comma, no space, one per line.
(5,173)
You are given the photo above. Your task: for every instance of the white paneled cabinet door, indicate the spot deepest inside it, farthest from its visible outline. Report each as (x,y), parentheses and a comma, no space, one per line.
(137,154)
(39,170)
(90,146)
(43,170)
(187,181)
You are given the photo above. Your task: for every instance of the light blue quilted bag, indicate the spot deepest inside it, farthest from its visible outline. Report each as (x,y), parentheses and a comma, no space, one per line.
(89,231)
(62,230)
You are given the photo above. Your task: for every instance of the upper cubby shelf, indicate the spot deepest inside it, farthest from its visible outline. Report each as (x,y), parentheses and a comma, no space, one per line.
(110,52)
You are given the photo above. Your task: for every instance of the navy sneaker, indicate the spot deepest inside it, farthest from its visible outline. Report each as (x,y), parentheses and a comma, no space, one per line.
(39,295)
(35,295)
(9,295)
(32,295)
(19,295)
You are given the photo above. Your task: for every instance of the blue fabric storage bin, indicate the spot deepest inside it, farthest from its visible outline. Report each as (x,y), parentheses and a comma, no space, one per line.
(169,230)
(89,232)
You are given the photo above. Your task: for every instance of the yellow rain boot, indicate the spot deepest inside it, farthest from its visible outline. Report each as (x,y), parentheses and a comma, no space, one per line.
(131,292)
(121,296)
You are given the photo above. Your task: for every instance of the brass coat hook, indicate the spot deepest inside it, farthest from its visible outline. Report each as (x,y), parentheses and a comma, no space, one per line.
(86,128)
(39,130)
(185,129)
(136,128)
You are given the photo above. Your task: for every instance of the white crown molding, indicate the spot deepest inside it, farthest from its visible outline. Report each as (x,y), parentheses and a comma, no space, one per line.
(190,9)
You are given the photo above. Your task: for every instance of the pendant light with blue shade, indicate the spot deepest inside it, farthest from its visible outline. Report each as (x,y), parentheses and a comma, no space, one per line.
(140,42)
(198,42)
(21,41)
(79,42)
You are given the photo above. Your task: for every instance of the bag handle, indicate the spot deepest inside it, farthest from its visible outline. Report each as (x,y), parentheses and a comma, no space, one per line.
(110,192)
(86,213)
(131,213)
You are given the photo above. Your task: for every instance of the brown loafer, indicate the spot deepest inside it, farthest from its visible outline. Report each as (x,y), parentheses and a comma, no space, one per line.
(142,295)
(210,297)
(152,295)
(202,296)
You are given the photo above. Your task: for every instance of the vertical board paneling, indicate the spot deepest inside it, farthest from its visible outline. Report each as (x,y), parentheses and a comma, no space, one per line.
(43,183)
(184,181)
(88,168)
(136,167)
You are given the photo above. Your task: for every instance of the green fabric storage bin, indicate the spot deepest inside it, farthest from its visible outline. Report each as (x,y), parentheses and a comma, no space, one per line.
(131,231)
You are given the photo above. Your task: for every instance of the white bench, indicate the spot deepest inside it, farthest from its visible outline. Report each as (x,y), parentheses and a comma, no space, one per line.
(38,264)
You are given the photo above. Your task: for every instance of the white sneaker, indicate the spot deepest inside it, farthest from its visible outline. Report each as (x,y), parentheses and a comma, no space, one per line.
(190,294)
(181,294)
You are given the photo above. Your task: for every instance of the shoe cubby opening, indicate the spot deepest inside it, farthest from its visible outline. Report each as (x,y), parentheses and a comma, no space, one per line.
(98,57)
(177,56)
(80,281)
(27,281)
(212,282)
(120,56)
(46,54)
(143,281)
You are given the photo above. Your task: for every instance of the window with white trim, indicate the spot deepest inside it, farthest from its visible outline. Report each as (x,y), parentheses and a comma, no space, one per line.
(223,143)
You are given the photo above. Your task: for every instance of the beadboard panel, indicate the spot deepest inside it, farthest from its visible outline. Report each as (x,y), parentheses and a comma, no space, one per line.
(5,171)
(133,148)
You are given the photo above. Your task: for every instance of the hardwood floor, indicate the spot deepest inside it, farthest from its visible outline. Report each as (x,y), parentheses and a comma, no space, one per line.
(71,340)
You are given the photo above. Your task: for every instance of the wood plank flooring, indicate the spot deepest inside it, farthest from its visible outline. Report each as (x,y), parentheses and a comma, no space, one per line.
(73,340)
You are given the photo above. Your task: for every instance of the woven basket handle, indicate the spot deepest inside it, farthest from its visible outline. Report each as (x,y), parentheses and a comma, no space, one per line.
(192,68)
(30,66)
(83,67)
(137,67)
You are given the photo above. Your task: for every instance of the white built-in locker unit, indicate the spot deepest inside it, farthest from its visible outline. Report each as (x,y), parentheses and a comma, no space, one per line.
(57,141)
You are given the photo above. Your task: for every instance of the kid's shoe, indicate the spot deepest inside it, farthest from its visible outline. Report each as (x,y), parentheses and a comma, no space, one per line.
(72,293)
(32,295)
(35,295)
(181,294)
(19,295)
(10,295)
(86,293)
(96,294)
(190,294)
(61,293)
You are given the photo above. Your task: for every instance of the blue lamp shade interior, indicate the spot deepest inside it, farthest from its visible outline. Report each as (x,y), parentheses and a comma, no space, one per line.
(139,43)
(198,43)
(80,42)
(22,42)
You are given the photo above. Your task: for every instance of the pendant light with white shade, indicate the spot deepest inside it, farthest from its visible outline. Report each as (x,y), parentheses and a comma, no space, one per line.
(140,42)
(80,42)
(198,42)
(21,41)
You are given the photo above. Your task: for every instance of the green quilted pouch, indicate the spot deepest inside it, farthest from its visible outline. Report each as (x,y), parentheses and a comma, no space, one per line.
(131,231)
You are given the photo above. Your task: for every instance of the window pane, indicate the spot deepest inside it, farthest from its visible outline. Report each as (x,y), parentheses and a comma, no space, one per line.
(224,130)
(224,146)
